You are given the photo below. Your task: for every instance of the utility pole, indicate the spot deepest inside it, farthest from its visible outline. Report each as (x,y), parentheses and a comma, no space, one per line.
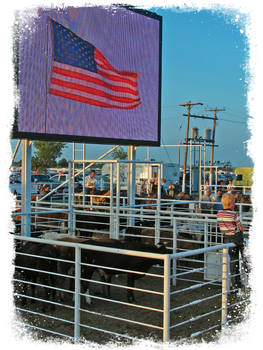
(189,105)
(215,110)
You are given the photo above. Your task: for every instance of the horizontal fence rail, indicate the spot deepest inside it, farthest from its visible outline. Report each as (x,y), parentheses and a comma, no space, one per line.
(58,306)
(185,294)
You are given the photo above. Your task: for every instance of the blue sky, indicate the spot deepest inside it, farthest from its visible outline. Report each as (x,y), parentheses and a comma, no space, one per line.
(203,60)
(204,55)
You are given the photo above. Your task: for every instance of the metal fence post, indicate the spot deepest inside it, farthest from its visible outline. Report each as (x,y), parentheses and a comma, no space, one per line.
(70,200)
(206,234)
(116,233)
(77,294)
(166,298)
(158,207)
(172,213)
(112,216)
(225,286)
(175,232)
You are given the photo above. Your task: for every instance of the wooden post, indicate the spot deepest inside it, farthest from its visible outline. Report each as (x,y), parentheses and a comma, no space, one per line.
(189,106)
(215,110)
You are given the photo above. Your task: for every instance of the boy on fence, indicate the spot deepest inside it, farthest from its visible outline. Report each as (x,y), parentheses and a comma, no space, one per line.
(232,230)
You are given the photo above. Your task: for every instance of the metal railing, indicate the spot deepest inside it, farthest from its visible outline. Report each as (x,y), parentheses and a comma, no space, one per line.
(162,309)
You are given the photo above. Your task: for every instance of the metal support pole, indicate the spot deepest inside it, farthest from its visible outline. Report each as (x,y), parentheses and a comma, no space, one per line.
(131,181)
(206,234)
(186,148)
(77,294)
(73,161)
(15,152)
(83,170)
(26,188)
(111,203)
(148,153)
(117,214)
(71,230)
(204,158)
(166,298)
(200,173)
(225,286)
(158,206)
(190,169)
(175,232)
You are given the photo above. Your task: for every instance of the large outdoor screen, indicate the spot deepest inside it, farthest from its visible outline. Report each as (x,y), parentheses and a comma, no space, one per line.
(90,75)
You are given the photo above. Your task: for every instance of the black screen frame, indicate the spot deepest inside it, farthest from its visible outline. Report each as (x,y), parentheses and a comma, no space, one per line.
(16,134)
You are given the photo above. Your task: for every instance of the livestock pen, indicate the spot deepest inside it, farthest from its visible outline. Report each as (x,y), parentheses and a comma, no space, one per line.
(183,296)
(191,308)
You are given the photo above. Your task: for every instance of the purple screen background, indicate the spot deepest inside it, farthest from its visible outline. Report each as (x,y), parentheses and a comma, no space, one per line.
(129,41)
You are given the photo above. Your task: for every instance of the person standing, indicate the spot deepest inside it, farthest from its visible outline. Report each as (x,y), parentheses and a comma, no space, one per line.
(154,184)
(232,230)
(230,187)
(177,188)
(206,198)
(164,187)
(144,188)
(90,183)
(217,199)
(171,188)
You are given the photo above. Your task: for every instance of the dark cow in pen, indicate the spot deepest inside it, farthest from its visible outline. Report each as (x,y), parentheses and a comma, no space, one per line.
(114,263)
(33,264)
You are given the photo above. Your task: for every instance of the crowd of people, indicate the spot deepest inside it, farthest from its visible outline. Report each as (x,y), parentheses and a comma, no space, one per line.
(149,188)
(144,188)
(212,200)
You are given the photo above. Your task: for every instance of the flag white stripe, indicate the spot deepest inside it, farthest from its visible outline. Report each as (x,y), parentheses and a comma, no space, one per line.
(113,72)
(94,75)
(93,86)
(92,96)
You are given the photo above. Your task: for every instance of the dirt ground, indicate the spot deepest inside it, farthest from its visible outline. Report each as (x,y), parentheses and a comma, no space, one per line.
(103,313)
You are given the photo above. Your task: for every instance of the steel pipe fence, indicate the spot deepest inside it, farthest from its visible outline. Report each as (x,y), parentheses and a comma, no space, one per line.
(82,215)
(191,308)
(178,230)
(44,219)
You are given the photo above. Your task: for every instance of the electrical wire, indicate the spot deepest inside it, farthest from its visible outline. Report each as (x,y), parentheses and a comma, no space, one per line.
(165,148)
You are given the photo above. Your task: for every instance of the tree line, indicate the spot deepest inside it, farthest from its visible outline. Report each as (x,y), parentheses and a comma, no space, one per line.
(46,154)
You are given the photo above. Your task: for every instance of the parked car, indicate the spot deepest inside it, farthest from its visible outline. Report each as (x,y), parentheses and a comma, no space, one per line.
(38,182)
(60,178)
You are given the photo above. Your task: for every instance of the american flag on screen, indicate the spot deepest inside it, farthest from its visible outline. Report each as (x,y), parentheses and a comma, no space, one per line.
(80,72)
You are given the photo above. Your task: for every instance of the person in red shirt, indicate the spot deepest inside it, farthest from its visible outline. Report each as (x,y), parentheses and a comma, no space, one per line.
(232,230)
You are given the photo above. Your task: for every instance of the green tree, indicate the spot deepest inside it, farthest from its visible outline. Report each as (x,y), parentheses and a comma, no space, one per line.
(119,153)
(62,163)
(46,154)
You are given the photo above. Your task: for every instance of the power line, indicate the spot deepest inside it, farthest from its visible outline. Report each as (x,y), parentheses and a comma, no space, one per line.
(188,105)
(215,110)
(233,121)
(165,148)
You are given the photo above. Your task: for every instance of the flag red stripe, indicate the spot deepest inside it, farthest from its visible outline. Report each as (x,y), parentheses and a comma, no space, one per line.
(115,77)
(87,95)
(99,57)
(88,100)
(90,84)
(93,91)
(88,78)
